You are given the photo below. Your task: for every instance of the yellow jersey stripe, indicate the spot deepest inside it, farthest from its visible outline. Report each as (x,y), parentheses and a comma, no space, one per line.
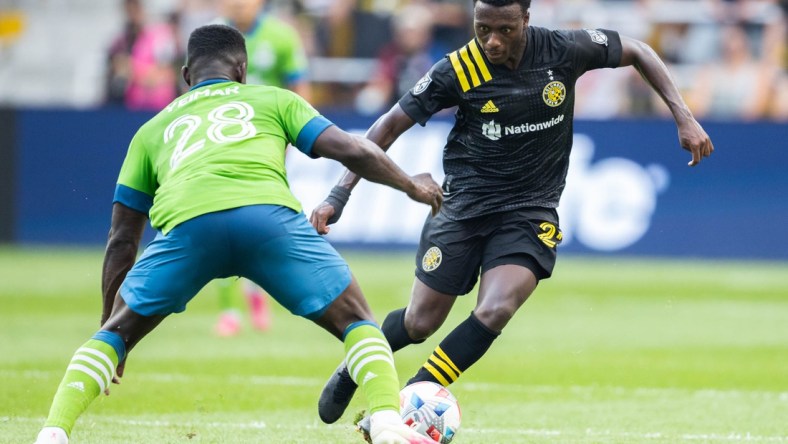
(436,374)
(477,57)
(445,357)
(471,68)
(455,62)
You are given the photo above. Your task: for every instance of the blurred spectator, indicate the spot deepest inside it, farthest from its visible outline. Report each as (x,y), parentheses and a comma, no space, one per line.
(735,86)
(276,53)
(402,62)
(359,28)
(142,62)
(452,23)
(779,105)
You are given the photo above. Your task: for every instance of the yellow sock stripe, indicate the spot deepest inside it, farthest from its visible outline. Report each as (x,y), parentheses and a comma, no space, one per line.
(471,68)
(455,62)
(441,354)
(95,365)
(436,373)
(448,371)
(477,56)
(89,372)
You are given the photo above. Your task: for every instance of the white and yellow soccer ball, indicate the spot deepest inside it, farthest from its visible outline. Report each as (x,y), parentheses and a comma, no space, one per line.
(430,409)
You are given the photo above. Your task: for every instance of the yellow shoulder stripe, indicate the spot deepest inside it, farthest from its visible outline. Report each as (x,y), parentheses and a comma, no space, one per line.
(471,68)
(455,62)
(477,56)
(473,63)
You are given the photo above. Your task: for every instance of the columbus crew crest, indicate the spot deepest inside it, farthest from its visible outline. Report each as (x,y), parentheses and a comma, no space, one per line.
(598,37)
(422,84)
(554,93)
(432,259)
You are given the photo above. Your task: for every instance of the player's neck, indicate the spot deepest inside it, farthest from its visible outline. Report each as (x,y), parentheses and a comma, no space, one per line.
(517,56)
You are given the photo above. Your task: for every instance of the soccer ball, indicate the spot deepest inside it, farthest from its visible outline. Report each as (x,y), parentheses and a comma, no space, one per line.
(431,410)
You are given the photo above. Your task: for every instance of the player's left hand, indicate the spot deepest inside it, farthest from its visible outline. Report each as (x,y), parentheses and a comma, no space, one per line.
(118,375)
(694,139)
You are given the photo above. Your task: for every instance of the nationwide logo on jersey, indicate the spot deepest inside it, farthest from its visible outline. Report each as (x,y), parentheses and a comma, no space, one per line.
(490,107)
(491,130)
(598,37)
(470,67)
(422,85)
(554,93)
(432,259)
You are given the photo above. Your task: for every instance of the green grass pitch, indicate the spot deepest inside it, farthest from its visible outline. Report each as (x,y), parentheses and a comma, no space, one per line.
(615,350)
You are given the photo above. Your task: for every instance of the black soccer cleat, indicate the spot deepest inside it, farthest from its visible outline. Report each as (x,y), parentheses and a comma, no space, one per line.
(336,395)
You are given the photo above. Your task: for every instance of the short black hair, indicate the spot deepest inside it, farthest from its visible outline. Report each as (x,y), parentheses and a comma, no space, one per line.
(215,42)
(525,4)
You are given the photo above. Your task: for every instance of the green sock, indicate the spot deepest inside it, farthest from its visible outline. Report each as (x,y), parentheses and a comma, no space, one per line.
(371,365)
(88,374)
(228,294)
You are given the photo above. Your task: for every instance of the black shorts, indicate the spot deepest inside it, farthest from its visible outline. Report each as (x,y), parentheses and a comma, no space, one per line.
(452,253)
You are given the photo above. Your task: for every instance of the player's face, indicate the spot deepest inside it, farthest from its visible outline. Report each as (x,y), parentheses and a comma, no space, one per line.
(500,30)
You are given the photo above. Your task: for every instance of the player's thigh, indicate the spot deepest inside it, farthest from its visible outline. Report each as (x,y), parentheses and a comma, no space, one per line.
(293,263)
(526,237)
(174,267)
(450,254)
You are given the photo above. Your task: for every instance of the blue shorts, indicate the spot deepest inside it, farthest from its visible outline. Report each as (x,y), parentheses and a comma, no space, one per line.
(271,245)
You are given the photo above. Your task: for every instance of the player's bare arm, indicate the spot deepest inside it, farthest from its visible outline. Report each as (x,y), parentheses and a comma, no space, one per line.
(383,133)
(123,242)
(692,136)
(367,160)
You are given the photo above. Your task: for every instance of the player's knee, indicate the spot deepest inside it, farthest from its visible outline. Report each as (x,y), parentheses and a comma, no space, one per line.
(496,315)
(421,327)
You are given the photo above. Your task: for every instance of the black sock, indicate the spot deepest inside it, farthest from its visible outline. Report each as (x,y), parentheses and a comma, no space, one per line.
(468,342)
(394,329)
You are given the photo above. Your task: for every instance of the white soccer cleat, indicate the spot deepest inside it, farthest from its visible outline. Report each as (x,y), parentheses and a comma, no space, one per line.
(387,428)
(52,435)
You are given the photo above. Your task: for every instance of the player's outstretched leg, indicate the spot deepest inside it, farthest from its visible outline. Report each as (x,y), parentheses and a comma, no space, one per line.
(465,345)
(370,363)
(340,388)
(89,373)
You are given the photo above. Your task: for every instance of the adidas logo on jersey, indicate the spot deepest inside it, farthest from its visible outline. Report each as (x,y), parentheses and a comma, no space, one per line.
(77,385)
(490,107)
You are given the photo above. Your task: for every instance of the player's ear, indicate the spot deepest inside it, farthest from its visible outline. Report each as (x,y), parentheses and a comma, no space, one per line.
(526,18)
(241,72)
(186,75)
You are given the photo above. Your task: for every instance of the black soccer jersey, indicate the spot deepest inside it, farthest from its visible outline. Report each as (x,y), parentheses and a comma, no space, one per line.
(509,147)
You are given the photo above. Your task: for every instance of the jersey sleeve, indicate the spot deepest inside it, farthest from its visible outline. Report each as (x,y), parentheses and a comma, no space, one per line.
(137,182)
(302,123)
(597,48)
(436,91)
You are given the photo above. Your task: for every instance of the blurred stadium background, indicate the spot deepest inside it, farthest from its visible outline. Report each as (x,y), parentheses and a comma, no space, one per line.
(667,318)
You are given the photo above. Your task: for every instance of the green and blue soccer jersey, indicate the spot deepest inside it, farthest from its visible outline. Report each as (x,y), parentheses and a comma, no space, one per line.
(219,146)
(276,55)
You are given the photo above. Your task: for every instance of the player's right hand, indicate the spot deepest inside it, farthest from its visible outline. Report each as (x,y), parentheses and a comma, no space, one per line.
(320,216)
(694,139)
(427,191)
